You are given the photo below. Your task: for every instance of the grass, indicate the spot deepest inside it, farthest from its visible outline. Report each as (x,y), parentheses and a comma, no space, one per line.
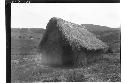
(25,66)
(101,71)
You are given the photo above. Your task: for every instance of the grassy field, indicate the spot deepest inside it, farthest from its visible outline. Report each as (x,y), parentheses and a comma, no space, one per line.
(26,67)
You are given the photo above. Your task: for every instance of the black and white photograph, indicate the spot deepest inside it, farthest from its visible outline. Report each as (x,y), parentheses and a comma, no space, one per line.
(65,42)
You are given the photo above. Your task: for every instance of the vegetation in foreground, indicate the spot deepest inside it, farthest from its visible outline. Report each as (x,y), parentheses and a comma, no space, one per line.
(28,70)
(25,65)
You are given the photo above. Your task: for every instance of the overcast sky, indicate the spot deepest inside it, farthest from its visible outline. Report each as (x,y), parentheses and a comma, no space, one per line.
(37,15)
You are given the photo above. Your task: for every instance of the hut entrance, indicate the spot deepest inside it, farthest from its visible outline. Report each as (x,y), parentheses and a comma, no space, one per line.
(67,56)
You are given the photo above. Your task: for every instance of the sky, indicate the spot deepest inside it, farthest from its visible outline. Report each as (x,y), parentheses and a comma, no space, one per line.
(37,15)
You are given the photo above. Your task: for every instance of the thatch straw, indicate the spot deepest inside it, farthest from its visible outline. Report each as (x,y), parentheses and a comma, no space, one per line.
(76,35)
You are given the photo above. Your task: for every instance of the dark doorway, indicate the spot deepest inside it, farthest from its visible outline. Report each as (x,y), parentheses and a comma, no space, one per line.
(67,56)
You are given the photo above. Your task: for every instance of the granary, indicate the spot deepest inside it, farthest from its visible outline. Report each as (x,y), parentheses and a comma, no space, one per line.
(68,44)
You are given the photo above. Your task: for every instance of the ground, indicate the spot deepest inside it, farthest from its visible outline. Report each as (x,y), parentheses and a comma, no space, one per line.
(25,66)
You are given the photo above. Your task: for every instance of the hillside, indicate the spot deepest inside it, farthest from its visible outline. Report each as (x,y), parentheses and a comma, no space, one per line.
(111,36)
(22,40)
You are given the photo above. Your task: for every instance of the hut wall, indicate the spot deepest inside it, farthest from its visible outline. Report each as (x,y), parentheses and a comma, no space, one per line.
(79,58)
(51,50)
(93,56)
(67,56)
(84,57)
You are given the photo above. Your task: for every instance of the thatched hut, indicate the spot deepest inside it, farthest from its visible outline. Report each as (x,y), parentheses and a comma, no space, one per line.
(68,44)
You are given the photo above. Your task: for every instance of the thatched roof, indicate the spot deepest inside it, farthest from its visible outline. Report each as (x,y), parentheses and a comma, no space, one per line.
(77,35)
